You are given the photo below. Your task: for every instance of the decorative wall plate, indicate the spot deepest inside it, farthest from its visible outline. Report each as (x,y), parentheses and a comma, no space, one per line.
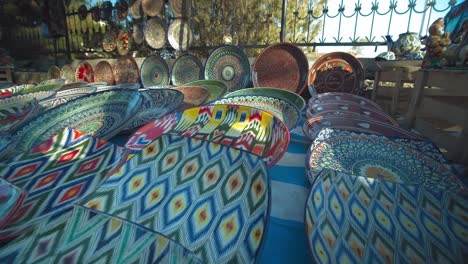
(293,98)
(156,103)
(241,127)
(102,114)
(154,71)
(135,9)
(187,68)
(11,198)
(217,89)
(323,97)
(84,72)
(353,123)
(283,66)
(211,198)
(344,108)
(122,241)
(181,8)
(68,73)
(126,70)
(193,96)
(358,219)
(337,72)
(180,34)
(152,7)
(279,107)
(103,73)
(124,41)
(230,65)
(138,35)
(155,33)
(54,73)
(59,171)
(15,110)
(109,43)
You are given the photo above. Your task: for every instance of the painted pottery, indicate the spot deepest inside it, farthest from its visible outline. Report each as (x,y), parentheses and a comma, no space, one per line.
(217,89)
(155,33)
(187,68)
(124,41)
(126,70)
(68,73)
(154,71)
(109,43)
(103,73)
(293,98)
(152,7)
(193,96)
(84,72)
(180,34)
(181,8)
(405,44)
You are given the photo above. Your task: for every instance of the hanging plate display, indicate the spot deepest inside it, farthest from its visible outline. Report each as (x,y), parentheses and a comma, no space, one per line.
(154,71)
(103,73)
(230,65)
(138,35)
(54,73)
(135,9)
(152,7)
(181,8)
(155,33)
(109,43)
(124,41)
(187,68)
(84,72)
(337,72)
(68,73)
(126,70)
(283,66)
(106,9)
(122,9)
(180,34)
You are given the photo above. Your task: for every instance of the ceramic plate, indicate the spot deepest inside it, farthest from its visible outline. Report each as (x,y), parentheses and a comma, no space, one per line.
(16,110)
(154,71)
(181,8)
(293,98)
(109,43)
(64,96)
(156,103)
(84,72)
(120,240)
(138,35)
(103,73)
(344,108)
(126,70)
(68,73)
(96,84)
(155,33)
(54,73)
(187,68)
(152,7)
(124,41)
(71,85)
(279,107)
(337,72)
(133,86)
(135,9)
(102,114)
(217,89)
(180,34)
(212,196)
(325,97)
(283,66)
(230,65)
(242,127)
(14,90)
(359,218)
(353,123)
(41,88)
(193,96)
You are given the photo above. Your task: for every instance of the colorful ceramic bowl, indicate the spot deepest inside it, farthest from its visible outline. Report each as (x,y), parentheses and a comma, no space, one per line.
(279,107)
(187,68)
(54,73)
(155,31)
(72,85)
(242,127)
(154,71)
(283,66)
(64,96)
(102,114)
(179,34)
(96,84)
(193,96)
(124,42)
(217,89)
(324,97)
(132,86)
(16,110)
(126,70)
(293,98)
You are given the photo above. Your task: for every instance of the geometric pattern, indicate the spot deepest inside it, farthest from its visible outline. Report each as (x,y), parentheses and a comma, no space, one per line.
(241,127)
(211,198)
(82,235)
(59,171)
(354,219)
(378,157)
(10,199)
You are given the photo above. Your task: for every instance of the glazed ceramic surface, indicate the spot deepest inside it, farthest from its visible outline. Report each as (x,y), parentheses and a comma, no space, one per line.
(193,96)
(217,89)
(155,33)
(187,68)
(337,72)
(64,96)
(152,7)
(135,9)
(211,198)
(279,107)
(336,97)
(54,73)
(11,197)
(180,34)
(313,126)
(154,71)
(181,8)
(59,171)
(156,103)
(82,235)
(101,114)
(283,66)
(16,110)
(344,109)
(84,72)
(126,70)
(366,220)
(230,65)
(109,42)
(51,88)
(293,98)
(379,157)
(14,89)
(68,73)
(71,85)
(138,34)
(103,73)
(124,41)
(406,43)
(237,126)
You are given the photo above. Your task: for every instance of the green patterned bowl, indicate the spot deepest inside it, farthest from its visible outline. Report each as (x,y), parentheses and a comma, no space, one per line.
(217,89)
(41,88)
(293,98)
